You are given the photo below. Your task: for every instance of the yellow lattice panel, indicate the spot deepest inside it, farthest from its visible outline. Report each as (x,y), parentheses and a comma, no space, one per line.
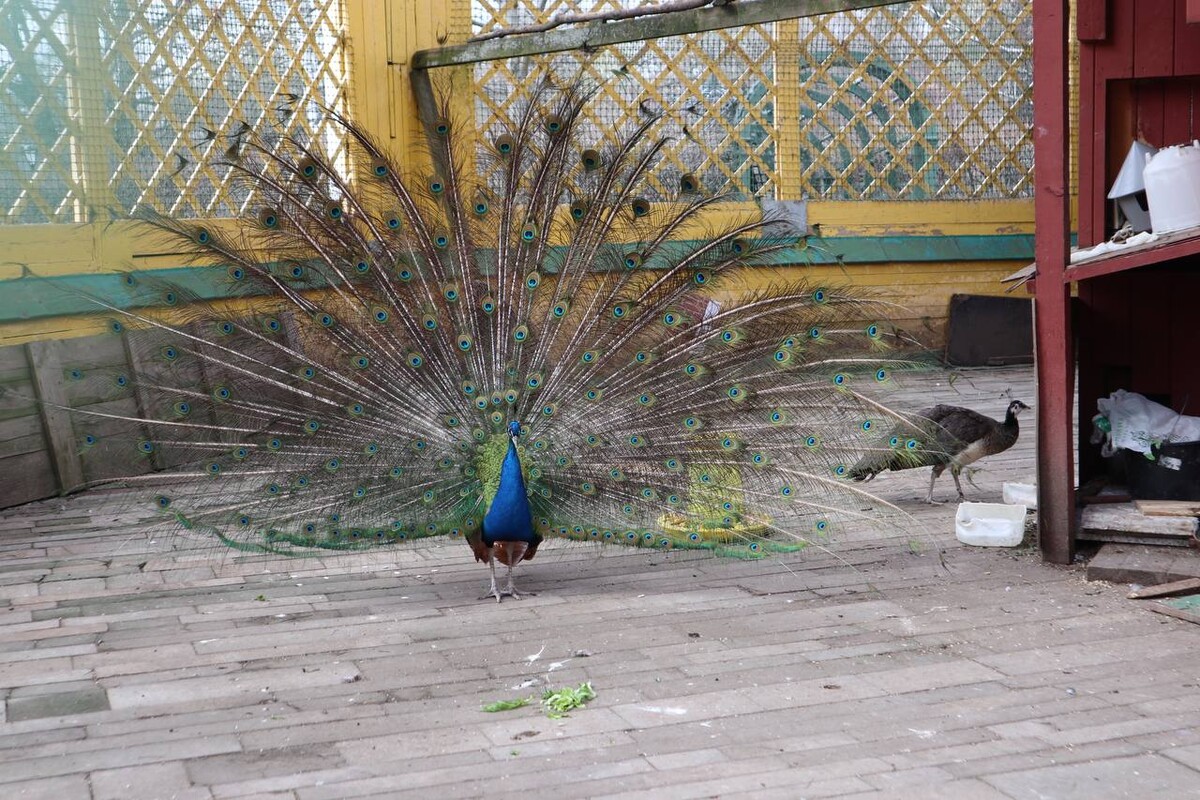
(715,92)
(111,107)
(918,101)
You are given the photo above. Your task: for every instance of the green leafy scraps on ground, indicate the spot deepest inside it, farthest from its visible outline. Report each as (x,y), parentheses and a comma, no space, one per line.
(556,702)
(506,705)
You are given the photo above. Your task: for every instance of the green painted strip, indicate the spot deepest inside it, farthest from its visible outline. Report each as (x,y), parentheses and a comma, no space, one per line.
(33,298)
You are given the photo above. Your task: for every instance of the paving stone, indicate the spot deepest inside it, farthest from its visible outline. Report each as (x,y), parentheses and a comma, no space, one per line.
(62,704)
(168,780)
(1133,777)
(64,787)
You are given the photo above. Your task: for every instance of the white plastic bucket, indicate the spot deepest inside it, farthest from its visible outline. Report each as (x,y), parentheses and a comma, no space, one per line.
(1172,177)
(990,524)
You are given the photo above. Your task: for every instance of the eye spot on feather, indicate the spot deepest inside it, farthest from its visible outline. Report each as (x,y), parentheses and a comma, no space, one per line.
(812,442)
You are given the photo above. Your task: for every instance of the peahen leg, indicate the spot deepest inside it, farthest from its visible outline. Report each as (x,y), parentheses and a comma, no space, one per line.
(933,475)
(954,473)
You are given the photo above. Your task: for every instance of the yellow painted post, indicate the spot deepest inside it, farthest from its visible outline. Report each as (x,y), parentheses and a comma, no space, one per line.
(87,116)
(789,171)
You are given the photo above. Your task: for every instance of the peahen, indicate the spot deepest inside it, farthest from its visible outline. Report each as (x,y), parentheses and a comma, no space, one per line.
(943,436)
(520,343)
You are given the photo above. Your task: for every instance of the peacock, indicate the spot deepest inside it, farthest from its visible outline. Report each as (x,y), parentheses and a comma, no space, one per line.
(946,436)
(526,339)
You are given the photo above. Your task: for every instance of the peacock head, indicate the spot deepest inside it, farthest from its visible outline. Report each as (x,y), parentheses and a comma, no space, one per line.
(514,429)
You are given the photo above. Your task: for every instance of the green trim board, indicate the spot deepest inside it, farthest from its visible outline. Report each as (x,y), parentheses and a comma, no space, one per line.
(24,299)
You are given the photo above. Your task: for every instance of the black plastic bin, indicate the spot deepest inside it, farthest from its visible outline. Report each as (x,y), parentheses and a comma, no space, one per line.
(1173,474)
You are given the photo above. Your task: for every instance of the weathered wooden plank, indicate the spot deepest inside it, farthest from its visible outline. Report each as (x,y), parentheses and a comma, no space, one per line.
(1165,589)
(1169,508)
(1126,518)
(56,417)
(1189,611)
(28,477)
(21,435)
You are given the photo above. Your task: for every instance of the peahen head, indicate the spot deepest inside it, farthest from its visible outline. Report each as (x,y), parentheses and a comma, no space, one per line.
(1014,408)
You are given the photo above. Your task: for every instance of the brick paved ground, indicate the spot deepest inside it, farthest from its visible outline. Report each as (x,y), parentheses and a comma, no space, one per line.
(131,668)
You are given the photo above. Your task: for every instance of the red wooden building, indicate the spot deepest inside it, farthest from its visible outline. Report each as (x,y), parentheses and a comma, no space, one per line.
(1135,323)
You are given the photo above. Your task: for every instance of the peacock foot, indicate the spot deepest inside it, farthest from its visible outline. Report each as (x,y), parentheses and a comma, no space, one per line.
(496,592)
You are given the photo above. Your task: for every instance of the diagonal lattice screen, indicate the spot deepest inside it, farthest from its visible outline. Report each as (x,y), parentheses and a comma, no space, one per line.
(111,106)
(919,100)
(714,91)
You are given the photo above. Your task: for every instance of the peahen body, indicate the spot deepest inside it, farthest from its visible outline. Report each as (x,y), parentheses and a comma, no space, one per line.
(521,343)
(943,436)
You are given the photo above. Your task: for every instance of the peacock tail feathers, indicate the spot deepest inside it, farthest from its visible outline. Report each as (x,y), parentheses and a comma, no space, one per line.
(401,321)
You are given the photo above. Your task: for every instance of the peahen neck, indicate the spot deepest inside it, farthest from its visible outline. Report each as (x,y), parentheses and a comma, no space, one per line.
(509,517)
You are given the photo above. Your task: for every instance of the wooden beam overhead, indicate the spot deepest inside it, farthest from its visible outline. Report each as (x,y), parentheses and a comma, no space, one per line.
(600,34)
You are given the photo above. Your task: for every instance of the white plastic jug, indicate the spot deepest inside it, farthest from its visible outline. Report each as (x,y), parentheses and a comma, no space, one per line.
(1172,177)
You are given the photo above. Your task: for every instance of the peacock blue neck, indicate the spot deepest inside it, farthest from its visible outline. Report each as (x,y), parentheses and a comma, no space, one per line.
(509,517)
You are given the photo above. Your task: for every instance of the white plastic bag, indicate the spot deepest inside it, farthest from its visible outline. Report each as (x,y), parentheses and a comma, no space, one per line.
(1136,423)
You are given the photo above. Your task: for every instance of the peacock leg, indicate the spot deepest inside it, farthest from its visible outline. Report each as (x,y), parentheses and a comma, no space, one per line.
(493,591)
(510,589)
(516,553)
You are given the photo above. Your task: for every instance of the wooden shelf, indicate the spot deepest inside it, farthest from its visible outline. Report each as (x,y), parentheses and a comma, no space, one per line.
(1171,246)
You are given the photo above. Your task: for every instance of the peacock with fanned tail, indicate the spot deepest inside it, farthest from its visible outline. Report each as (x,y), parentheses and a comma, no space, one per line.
(516,345)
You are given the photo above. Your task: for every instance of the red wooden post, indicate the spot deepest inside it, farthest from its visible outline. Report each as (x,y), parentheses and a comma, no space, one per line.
(1052,311)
